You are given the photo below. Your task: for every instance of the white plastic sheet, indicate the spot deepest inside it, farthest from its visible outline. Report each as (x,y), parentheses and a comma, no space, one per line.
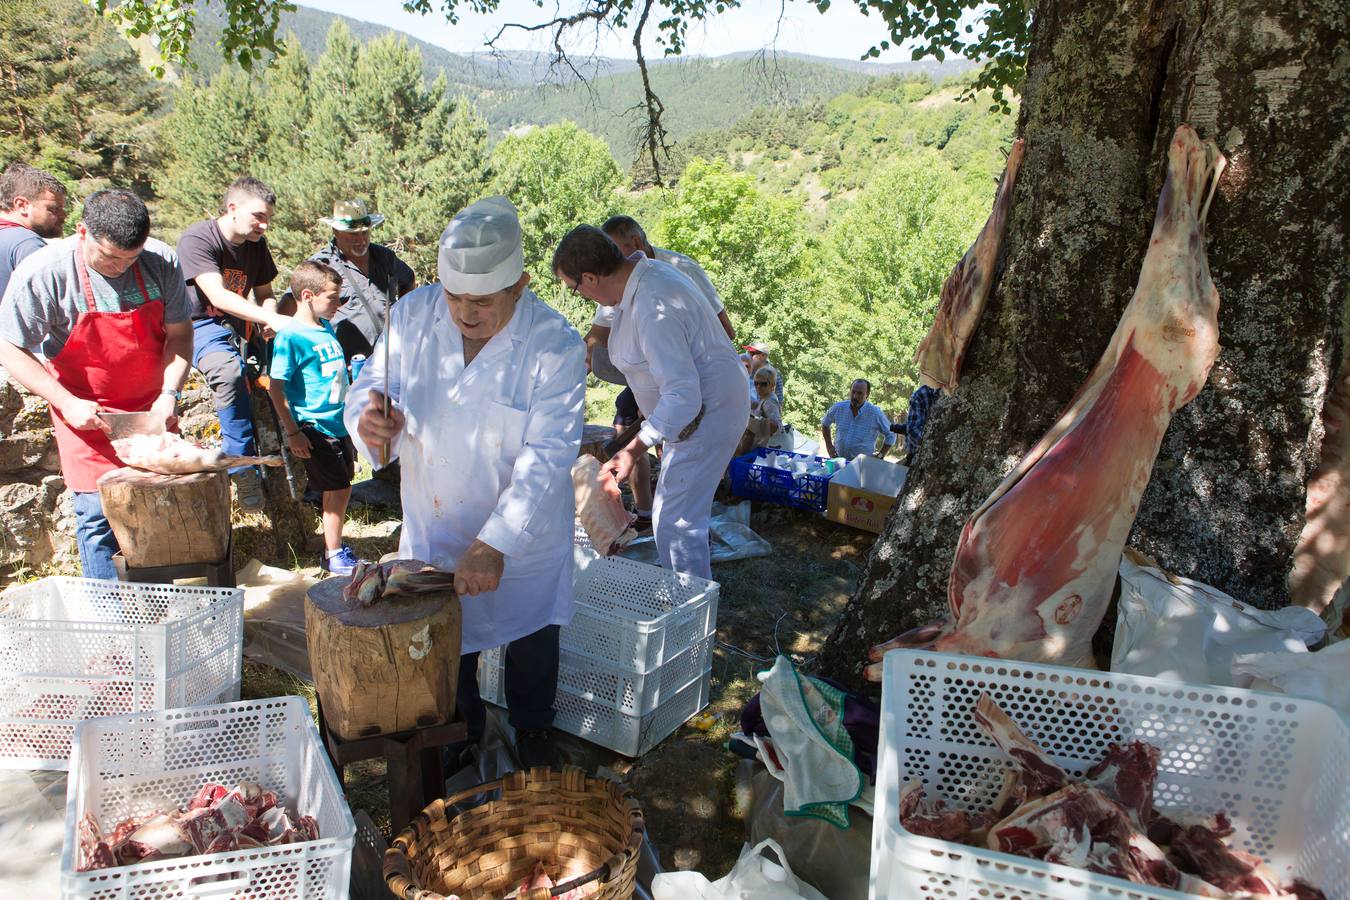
(1186,631)
(732,538)
(754,877)
(1324,675)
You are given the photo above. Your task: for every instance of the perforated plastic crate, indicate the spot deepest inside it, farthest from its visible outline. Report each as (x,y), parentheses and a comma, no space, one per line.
(631,693)
(751,477)
(633,617)
(601,723)
(1278,766)
(133,765)
(77,648)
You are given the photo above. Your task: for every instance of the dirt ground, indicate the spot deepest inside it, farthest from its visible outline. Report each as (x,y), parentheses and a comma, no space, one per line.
(783,603)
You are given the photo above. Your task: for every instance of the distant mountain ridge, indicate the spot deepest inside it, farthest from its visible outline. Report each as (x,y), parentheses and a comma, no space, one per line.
(516,89)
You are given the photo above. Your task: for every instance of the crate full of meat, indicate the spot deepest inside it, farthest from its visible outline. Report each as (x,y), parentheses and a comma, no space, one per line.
(999,778)
(787,479)
(236,799)
(78,648)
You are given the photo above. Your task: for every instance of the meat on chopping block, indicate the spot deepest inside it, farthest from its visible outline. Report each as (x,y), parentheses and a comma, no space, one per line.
(172,454)
(388,666)
(600,507)
(965,291)
(1036,564)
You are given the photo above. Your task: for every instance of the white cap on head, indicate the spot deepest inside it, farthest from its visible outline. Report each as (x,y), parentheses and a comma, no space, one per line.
(480,249)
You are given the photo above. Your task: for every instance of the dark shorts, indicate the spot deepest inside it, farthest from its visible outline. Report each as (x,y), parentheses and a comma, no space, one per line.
(625,408)
(332,461)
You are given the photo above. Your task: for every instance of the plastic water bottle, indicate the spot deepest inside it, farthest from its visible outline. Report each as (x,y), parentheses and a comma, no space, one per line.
(358,361)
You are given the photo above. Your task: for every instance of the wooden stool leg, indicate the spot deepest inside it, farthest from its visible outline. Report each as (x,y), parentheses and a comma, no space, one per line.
(397,763)
(433,775)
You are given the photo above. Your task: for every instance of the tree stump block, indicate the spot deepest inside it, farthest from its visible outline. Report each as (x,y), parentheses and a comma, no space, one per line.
(386,668)
(167,520)
(593,440)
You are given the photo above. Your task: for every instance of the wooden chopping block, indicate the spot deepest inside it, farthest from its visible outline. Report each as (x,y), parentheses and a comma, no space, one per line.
(384,668)
(167,520)
(593,440)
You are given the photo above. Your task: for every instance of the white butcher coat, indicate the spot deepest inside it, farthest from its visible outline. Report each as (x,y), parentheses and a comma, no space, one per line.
(673,352)
(487,453)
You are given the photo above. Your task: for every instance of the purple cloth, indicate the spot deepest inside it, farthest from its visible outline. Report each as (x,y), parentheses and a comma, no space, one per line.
(862,721)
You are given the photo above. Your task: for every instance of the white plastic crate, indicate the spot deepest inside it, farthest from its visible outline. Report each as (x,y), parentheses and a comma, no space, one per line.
(603,724)
(631,693)
(133,765)
(78,648)
(633,617)
(1278,766)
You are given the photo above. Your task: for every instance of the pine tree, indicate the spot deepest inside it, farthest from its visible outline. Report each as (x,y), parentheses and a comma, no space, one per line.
(75,99)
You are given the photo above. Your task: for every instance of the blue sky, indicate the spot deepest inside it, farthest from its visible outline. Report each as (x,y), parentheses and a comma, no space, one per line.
(842,32)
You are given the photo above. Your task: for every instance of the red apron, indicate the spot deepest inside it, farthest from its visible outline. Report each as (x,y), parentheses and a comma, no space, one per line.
(115,359)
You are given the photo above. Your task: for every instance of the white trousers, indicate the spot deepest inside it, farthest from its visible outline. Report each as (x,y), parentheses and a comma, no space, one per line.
(690,472)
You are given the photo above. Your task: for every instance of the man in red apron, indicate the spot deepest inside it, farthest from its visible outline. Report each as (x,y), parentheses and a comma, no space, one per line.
(107,309)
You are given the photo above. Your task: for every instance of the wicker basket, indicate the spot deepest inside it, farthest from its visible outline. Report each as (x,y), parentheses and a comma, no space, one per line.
(586,830)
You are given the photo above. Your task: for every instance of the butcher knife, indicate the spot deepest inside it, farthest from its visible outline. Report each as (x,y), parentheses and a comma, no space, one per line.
(125,425)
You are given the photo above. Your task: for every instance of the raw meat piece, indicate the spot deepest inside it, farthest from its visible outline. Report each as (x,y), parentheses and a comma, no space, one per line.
(1127,775)
(965,291)
(934,819)
(203,826)
(207,796)
(94,849)
(1040,775)
(537,878)
(167,454)
(1200,852)
(1036,564)
(161,837)
(600,506)
(370,582)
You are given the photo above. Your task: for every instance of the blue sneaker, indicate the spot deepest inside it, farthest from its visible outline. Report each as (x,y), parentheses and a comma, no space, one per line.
(341,564)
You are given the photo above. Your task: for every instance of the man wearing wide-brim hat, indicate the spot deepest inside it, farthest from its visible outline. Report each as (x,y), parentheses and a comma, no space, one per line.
(486,384)
(373,276)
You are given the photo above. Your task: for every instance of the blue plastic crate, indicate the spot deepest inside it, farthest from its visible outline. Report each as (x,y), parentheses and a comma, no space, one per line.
(751,478)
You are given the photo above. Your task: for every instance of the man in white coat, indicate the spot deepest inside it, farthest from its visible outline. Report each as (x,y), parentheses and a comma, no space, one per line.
(686,377)
(486,384)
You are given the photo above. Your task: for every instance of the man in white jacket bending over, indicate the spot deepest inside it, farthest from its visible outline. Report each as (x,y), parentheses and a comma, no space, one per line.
(486,384)
(687,379)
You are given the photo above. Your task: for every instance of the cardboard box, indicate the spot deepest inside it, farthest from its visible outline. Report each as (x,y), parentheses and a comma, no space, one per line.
(863,492)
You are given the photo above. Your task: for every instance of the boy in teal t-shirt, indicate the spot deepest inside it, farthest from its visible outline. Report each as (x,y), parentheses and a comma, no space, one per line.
(308,386)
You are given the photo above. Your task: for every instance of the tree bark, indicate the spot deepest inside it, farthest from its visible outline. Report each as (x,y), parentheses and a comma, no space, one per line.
(1106,86)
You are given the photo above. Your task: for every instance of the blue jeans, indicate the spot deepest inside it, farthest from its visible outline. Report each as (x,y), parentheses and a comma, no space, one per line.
(214,355)
(95,536)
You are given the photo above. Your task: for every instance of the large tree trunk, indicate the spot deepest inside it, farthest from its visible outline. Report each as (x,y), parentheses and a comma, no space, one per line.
(1106,85)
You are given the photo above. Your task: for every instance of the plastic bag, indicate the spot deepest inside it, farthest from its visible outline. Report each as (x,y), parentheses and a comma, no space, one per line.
(1186,631)
(754,877)
(1316,676)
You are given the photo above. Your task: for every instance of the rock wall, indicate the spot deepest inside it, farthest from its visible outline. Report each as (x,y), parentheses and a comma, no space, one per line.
(37,524)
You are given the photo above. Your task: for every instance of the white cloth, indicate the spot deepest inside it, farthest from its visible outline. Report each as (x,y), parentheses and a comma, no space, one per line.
(689,268)
(674,354)
(487,453)
(480,250)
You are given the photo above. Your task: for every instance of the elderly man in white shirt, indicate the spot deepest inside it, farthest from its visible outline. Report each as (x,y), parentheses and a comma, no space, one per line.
(487,387)
(685,375)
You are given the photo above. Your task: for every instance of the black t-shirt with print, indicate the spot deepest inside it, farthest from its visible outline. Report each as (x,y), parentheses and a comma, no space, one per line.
(242,267)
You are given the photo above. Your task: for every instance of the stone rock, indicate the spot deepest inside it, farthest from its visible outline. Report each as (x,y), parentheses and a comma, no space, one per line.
(36,522)
(28,450)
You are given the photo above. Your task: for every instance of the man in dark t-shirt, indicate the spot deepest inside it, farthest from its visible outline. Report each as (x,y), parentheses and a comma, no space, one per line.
(32,207)
(225,260)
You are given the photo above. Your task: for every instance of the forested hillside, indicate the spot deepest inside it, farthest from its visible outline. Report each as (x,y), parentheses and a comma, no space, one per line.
(827,226)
